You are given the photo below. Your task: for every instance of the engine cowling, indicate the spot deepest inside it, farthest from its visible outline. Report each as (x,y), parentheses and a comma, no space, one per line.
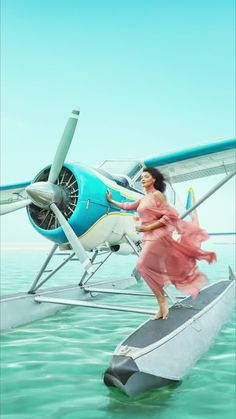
(84,202)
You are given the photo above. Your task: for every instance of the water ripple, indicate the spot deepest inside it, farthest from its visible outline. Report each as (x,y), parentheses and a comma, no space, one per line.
(53,367)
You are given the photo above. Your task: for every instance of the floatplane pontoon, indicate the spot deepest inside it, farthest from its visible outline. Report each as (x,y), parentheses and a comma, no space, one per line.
(66,203)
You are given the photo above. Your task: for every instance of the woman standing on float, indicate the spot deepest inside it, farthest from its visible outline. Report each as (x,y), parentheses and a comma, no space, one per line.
(164,260)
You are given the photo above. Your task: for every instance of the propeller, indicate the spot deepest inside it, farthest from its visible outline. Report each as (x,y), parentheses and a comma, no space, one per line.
(72,238)
(48,194)
(63,146)
(7,208)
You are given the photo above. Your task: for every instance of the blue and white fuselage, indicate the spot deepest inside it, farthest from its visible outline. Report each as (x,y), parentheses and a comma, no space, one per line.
(94,220)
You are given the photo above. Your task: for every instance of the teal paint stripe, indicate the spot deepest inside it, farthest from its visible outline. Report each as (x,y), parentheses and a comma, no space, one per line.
(190,153)
(189,201)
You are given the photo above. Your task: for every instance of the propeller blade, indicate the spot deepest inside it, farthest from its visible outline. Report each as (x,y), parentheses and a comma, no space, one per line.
(6,208)
(72,238)
(63,146)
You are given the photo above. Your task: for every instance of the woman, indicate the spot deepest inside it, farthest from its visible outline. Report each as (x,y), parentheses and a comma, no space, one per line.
(164,260)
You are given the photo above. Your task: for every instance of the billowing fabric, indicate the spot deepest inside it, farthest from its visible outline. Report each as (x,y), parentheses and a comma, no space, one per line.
(165,259)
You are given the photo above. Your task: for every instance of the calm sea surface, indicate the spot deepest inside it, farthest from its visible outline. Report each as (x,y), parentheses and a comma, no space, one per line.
(53,367)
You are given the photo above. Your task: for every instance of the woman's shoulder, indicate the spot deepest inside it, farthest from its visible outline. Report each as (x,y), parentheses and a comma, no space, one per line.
(159,197)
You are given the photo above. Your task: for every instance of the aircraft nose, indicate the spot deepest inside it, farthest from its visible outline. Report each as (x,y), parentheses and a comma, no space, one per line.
(43,194)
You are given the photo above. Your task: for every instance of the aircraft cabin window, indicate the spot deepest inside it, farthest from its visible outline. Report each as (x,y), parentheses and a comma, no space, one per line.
(123,172)
(125,167)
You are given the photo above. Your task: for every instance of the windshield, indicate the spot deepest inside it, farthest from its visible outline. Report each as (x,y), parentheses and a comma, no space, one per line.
(121,167)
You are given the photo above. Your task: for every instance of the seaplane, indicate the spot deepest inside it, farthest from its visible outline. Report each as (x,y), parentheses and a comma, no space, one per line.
(66,203)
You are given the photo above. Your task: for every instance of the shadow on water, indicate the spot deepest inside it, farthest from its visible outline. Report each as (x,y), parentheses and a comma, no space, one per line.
(141,406)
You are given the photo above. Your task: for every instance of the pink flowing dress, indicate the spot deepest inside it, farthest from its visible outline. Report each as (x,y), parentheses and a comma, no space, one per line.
(164,259)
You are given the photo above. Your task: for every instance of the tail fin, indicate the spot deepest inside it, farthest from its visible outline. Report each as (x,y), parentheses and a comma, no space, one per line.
(190,202)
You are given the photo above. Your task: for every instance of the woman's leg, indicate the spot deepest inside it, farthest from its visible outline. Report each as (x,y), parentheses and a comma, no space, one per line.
(151,266)
(162,301)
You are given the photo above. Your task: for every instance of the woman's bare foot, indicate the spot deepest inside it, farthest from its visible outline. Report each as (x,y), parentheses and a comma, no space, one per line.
(164,310)
(157,316)
(165,314)
(163,304)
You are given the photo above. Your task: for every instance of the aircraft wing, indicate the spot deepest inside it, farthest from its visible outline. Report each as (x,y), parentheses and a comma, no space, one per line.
(13,193)
(196,162)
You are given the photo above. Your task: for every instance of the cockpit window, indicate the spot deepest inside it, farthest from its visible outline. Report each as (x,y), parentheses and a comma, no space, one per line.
(137,184)
(121,167)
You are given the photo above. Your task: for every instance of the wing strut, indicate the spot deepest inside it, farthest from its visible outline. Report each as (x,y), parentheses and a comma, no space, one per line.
(209,193)
(80,303)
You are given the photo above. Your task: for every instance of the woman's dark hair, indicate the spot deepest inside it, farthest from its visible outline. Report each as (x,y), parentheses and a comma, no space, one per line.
(159,183)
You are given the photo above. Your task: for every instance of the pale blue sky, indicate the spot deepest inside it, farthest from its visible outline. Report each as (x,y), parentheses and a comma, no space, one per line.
(149,76)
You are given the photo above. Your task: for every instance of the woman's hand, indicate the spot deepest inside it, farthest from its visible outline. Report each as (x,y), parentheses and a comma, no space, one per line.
(109,196)
(142,228)
(150,227)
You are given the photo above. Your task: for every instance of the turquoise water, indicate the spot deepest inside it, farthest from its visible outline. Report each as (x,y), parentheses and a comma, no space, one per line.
(53,367)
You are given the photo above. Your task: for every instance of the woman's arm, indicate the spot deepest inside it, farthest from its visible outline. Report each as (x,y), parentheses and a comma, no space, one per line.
(150,227)
(125,205)
(109,198)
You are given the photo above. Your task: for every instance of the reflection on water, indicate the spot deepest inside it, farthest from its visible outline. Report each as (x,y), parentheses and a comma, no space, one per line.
(54,367)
